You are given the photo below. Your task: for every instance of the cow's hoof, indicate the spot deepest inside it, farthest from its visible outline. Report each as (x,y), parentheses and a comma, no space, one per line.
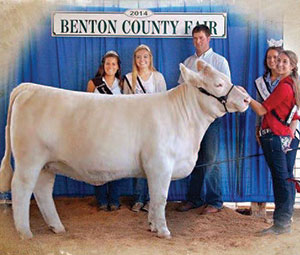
(57,230)
(26,235)
(165,234)
(152,227)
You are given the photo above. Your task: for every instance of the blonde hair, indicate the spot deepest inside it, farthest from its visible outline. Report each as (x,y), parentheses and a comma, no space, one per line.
(134,65)
(294,75)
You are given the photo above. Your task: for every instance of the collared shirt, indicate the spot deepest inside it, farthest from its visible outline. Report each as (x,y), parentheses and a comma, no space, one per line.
(217,61)
(282,101)
(271,84)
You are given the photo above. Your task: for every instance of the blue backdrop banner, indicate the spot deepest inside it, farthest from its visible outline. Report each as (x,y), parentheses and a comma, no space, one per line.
(69,62)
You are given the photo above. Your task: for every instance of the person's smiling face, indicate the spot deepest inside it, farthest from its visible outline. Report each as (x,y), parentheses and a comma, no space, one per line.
(284,66)
(142,59)
(111,66)
(272,59)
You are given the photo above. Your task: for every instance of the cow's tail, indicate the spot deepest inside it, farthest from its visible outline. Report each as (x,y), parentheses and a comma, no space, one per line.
(6,171)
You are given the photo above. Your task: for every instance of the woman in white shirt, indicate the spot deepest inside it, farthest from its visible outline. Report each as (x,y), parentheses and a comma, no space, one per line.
(108,78)
(143,79)
(107,81)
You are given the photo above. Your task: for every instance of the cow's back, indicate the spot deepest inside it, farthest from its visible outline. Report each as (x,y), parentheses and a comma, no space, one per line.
(87,131)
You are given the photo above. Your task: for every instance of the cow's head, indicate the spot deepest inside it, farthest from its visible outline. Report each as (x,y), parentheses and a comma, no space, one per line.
(215,84)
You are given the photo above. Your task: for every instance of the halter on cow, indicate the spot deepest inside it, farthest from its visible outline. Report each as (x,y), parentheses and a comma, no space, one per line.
(221,99)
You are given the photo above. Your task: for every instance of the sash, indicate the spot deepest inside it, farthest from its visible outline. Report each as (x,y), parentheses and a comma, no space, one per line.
(262,88)
(125,77)
(103,89)
(101,86)
(140,84)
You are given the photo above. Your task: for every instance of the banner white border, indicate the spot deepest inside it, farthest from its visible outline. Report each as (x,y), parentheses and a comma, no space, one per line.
(169,21)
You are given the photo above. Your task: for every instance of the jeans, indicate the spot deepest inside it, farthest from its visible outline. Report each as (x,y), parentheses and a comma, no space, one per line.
(141,193)
(108,193)
(281,165)
(208,175)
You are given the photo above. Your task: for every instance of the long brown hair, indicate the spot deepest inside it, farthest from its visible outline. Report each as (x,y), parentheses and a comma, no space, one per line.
(101,73)
(134,65)
(294,75)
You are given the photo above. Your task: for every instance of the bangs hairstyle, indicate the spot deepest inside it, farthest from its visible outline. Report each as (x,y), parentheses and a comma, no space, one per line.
(134,65)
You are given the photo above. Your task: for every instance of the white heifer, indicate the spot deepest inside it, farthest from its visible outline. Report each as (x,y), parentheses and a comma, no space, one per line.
(99,138)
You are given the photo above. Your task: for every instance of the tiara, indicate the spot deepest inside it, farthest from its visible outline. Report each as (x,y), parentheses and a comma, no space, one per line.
(274,43)
(112,52)
(142,46)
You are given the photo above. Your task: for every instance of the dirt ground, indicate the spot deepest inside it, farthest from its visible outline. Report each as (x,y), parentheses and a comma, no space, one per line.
(92,232)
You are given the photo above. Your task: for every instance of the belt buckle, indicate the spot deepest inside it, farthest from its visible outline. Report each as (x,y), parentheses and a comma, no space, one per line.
(263,132)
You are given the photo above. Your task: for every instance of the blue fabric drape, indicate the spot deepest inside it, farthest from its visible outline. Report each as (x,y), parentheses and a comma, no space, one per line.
(70,62)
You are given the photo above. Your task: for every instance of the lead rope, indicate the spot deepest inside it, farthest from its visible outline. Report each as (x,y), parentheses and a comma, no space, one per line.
(295,181)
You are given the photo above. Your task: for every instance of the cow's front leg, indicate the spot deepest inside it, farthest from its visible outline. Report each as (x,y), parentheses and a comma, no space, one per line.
(159,181)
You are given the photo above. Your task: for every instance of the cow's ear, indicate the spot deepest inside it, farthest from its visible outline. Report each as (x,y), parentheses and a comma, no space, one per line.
(189,76)
(201,65)
(204,68)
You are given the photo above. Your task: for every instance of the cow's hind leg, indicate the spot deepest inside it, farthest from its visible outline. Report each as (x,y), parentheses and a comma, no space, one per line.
(159,179)
(23,183)
(43,196)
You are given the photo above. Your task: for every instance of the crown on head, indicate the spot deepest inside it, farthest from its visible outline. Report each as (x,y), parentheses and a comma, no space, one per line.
(142,46)
(112,52)
(274,43)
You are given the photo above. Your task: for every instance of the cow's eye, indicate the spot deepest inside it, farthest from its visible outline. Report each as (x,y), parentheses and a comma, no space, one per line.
(219,85)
